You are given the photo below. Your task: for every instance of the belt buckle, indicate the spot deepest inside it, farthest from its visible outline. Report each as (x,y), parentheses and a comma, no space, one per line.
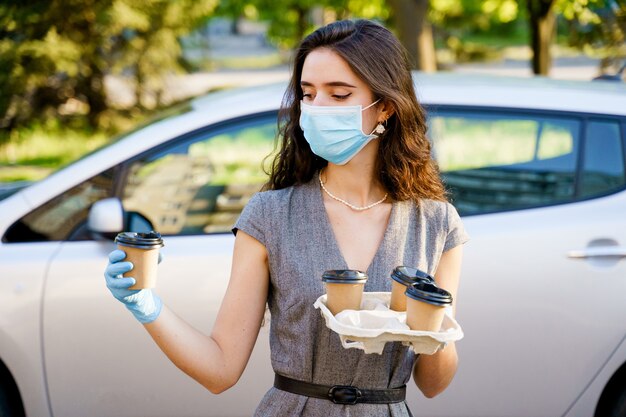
(344,394)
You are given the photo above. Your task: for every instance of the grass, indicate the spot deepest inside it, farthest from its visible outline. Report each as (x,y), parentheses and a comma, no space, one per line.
(34,153)
(23,173)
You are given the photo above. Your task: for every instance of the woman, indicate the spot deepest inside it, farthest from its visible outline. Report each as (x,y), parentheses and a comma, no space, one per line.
(353,187)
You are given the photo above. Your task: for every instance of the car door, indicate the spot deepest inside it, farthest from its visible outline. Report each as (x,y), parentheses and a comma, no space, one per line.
(99,360)
(541,299)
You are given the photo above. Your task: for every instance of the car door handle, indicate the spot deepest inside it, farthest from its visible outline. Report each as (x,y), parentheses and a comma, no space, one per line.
(598,252)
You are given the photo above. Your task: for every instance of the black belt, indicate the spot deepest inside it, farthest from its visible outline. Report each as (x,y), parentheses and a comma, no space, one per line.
(341,394)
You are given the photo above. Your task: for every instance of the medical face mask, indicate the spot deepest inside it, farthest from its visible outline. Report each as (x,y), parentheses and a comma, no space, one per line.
(334,132)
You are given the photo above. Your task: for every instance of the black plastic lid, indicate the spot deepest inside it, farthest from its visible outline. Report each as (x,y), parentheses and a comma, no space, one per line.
(150,240)
(344,276)
(429,293)
(407,275)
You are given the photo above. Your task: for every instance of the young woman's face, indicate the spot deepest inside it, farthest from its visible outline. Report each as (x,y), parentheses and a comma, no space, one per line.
(328,80)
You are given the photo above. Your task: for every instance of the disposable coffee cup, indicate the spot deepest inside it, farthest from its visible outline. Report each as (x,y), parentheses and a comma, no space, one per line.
(344,289)
(425,306)
(401,278)
(142,249)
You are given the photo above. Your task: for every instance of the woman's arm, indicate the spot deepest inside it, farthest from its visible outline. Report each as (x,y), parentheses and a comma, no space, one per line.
(433,373)
(217,361)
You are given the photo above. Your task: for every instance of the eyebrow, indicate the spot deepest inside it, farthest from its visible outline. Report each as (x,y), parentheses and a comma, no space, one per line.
(330,84)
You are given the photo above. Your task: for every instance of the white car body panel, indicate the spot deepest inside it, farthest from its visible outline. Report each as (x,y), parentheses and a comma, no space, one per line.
(21,286)
(47,308)
(522,328)
(586,404)
(192,282)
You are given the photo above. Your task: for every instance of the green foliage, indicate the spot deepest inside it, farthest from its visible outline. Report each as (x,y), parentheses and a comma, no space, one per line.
(596,26)
(291,20)
(475,30)
(148,38)
(57,52)
(472,15)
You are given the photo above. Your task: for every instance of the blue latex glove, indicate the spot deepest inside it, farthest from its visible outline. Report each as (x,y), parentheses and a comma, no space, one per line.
(144,304)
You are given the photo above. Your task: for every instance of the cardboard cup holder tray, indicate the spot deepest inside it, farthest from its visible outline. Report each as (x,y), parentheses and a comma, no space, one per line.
(370,328)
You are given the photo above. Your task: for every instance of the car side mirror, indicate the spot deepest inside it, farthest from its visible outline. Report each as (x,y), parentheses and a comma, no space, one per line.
(106,218)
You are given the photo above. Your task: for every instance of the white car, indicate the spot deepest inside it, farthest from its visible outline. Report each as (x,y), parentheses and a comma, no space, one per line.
(535,167)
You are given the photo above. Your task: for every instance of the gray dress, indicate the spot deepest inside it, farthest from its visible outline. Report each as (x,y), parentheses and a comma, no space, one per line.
(293,226)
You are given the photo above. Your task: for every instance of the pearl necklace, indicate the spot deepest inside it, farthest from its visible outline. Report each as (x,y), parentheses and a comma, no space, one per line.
(353,207)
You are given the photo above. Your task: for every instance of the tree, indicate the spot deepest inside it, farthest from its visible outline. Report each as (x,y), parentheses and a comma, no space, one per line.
(593,24)
(50,56)
(57,52)
(291,20)
(542,21)
(146,41)
(598,28)
(415,32)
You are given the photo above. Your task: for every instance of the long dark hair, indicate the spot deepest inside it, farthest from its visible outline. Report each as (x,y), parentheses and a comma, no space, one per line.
(404,165)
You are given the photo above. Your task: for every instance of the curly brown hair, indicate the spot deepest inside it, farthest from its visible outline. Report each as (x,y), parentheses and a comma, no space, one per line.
(404,164)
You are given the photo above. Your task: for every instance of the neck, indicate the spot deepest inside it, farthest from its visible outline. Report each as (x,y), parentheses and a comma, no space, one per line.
(354,182)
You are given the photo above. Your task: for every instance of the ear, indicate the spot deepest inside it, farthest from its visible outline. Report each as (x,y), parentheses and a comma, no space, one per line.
(385,111)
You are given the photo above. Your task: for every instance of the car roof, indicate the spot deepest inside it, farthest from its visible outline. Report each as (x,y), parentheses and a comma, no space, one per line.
(454,89)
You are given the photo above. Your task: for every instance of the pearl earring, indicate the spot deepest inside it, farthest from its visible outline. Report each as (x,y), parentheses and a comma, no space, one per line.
(380,129)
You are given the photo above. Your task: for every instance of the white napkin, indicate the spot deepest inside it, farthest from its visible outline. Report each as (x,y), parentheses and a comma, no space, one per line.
(370,328)
(379,317)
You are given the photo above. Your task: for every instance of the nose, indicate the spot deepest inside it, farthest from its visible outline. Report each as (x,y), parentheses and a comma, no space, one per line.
(321,100)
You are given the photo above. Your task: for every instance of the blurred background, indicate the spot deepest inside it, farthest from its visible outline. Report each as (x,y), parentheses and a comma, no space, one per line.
(74,73)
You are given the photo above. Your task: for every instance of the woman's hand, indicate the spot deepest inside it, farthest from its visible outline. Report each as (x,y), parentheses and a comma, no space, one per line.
(144,304)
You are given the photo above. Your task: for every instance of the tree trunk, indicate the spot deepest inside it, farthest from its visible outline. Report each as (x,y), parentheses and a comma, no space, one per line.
(91,87)
(542,26)
(302,22)
(139,87)
(415,32)
(96,98)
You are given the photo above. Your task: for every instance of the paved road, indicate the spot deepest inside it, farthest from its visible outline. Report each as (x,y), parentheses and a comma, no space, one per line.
(566,68)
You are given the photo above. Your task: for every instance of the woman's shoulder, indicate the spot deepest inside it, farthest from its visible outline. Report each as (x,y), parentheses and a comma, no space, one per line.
(260,214)
(434,207)
(274,199)
(438,211)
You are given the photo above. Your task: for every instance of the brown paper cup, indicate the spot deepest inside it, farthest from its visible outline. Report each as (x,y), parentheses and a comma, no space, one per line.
(401,278)
(398,299)
(342,296)
(423,316)
(145,264)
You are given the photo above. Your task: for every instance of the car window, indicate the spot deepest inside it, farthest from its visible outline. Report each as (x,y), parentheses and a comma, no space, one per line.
(200,184)
(63,215)
(494,161)
(603,168)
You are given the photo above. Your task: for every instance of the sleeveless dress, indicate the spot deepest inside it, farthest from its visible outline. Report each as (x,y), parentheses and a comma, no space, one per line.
(293,226)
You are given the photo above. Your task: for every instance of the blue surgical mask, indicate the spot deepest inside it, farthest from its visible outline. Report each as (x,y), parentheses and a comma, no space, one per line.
(334,132)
